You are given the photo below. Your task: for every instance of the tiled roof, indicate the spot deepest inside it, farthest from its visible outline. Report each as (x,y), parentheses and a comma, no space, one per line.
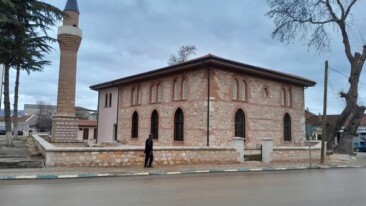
(87,123)
(209,61)
(316,120)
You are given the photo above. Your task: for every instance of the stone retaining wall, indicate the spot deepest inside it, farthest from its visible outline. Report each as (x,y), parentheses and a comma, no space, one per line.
(300,154)
(177,155)
(133,156)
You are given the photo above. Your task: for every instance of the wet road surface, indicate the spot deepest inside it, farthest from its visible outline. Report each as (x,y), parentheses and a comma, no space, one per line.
(337,187)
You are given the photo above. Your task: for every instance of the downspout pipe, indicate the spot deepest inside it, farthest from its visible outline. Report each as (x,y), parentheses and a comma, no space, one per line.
(96,135)
(116,135)
(208,101)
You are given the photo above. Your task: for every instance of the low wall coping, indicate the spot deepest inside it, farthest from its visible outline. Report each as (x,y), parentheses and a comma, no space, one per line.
(51,148)
(46,145)
(295,148)
(114,149)
(267,139)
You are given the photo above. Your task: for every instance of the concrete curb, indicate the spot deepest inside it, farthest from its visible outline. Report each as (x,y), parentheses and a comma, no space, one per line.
(154,173)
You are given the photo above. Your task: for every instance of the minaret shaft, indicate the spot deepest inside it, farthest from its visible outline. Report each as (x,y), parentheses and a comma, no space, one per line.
(64,124)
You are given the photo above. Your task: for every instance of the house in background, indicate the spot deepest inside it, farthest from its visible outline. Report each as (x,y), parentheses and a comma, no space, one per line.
(87,130)
(87,123)
(25,123)
(203,102)
(87,119)
(315,121)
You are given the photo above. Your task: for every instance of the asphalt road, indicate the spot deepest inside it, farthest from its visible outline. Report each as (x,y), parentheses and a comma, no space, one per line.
(343,187)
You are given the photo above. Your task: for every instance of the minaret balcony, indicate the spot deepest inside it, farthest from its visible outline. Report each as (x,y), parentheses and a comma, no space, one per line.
(70,30)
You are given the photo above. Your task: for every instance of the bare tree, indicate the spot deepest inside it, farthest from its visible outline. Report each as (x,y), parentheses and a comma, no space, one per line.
(44,117)
(310,20)
(183,54)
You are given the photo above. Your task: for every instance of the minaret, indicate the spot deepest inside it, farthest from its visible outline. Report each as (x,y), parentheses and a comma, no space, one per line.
(64,123)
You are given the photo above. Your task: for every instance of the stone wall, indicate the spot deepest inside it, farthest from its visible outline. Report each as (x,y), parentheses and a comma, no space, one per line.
(100,157)
(193,108)
(64,129)
(295,154)
(263,110)
(178,155)
(132,156)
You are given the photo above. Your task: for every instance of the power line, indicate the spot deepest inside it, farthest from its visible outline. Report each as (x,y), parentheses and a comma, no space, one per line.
(339,72)
(345,75)
(336,96)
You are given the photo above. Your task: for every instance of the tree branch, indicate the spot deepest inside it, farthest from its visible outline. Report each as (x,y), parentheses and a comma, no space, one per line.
(347,46)
(363,57)
(349,8)
(342,26)
(342,8)
(330,9)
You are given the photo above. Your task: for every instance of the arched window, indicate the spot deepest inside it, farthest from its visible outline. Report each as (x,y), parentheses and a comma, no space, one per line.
(287,127)
(106,100)
(135,125)
(138,96)
(176,90)
(289,98)
(134,96)
(160,93)
(178,125)
(283,97)
(154,129)
(110,100)
(153,94)
(239,123)
(265,92)
(184,89)
(243,91)
(235,89)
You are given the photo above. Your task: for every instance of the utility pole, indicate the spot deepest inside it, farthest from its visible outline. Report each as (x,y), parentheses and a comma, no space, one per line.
(2,68)
(324,120)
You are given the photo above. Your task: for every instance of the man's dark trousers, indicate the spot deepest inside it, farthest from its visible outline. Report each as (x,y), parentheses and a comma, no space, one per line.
(149,158)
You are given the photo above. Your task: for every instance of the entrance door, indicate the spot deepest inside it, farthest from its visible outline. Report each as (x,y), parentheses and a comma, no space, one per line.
(115,132)
(86,134)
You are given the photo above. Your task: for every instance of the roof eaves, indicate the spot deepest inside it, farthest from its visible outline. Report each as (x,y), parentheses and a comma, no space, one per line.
(208,60)
(263,72)
(150,74)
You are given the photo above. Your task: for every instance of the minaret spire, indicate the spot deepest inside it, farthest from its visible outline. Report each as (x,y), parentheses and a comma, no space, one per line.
(65,123)
(72,5)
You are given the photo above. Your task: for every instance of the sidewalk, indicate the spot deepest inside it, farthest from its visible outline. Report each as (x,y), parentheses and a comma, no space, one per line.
(62,173)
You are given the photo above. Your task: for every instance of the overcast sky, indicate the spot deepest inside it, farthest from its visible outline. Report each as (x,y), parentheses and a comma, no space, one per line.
(126,37)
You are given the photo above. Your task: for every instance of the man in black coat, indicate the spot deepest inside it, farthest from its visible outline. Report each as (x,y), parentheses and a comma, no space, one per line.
(149,157)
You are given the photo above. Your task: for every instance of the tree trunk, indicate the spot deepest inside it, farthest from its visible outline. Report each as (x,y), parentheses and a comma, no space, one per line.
(352,114)
(344,145)
(15,116)
(9,137)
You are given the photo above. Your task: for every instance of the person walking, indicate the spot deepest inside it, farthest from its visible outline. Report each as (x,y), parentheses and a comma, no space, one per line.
(149,157)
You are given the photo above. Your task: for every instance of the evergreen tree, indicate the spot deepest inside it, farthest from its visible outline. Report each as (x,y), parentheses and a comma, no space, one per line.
(24,42)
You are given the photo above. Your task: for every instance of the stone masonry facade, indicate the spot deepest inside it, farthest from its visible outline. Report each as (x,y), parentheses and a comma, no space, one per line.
(64,129)
(263,109)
